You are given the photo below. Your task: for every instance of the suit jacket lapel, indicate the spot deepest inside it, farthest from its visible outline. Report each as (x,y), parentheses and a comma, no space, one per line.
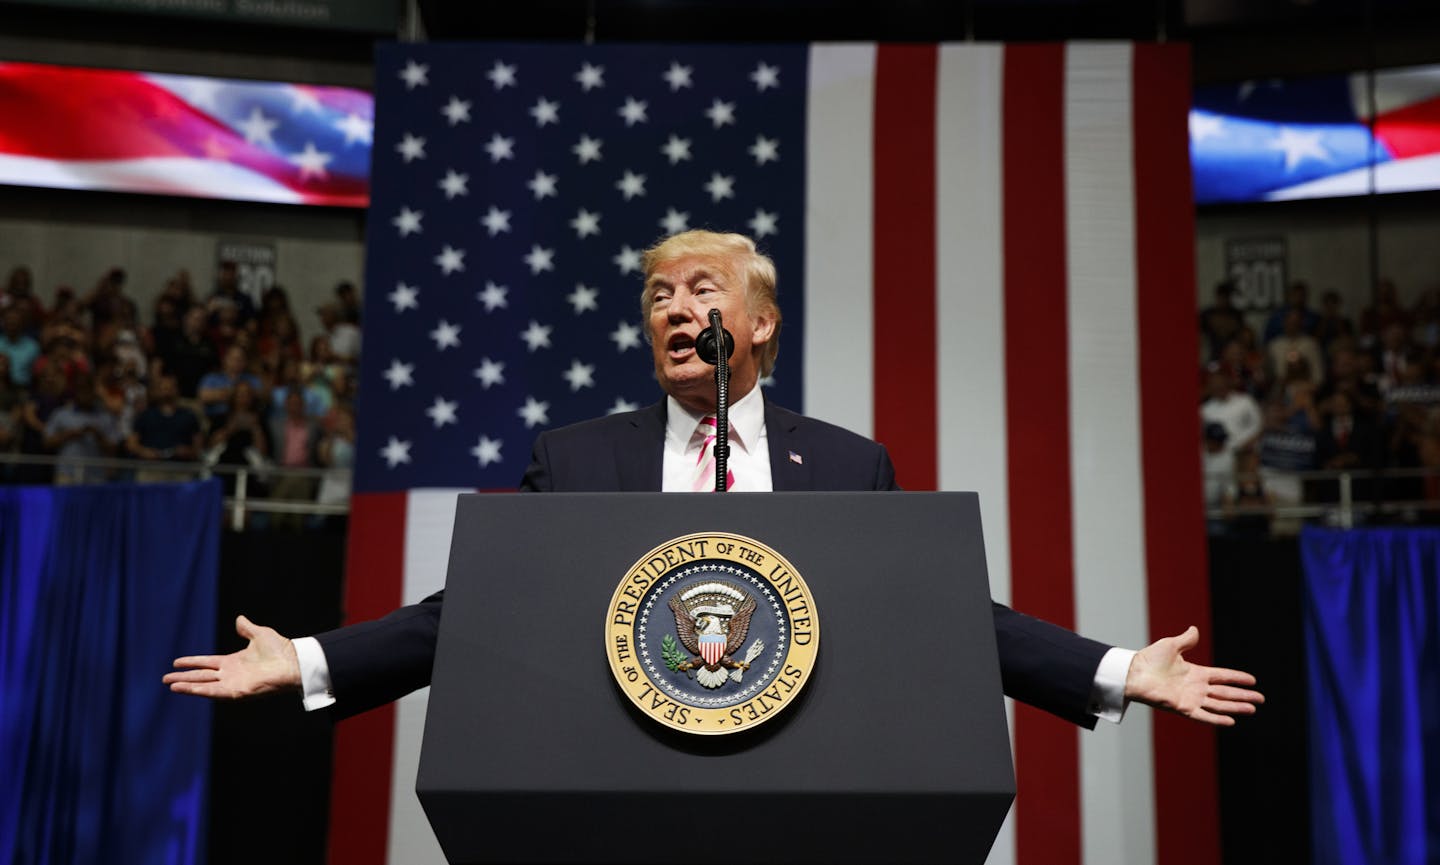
(640,452)
(789,472)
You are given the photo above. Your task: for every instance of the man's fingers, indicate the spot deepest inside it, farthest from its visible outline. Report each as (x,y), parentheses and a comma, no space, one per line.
(213,690)
(244,627)
(201,675)
(1222,675)
(209,662)
(1244,695)
(1229,707)
(1212,718)
(1188,640)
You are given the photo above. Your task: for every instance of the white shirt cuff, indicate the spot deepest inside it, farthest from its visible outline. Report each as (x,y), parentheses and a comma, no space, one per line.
(1107,696)
(315,674)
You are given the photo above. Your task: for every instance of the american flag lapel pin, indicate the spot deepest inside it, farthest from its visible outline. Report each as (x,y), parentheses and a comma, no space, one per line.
(797,459)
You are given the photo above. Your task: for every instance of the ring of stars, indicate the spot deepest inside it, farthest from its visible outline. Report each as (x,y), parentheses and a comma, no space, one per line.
(662,676)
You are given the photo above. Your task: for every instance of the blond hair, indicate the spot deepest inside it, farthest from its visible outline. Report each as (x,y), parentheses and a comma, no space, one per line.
(740,258)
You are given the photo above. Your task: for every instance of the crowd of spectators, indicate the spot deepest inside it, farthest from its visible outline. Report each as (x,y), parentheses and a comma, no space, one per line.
(1318,391)
(216,380)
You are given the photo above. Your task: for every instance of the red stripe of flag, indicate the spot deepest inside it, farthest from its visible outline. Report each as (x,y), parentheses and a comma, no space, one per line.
(1047,753)
(904,256)
(1186,788)
(365,744)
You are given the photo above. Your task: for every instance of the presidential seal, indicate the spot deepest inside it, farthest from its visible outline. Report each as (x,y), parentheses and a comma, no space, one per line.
(712,633)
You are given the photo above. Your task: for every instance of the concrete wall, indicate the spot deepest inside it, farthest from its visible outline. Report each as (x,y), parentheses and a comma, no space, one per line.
(1329,246)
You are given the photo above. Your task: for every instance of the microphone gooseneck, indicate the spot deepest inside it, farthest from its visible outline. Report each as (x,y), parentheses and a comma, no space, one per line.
(706,345)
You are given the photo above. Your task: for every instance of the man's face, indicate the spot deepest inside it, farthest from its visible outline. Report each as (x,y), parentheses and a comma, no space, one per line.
(684,291)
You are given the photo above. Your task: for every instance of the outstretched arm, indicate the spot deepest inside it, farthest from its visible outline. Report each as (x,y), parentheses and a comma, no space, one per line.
(1161,677)
(266,666)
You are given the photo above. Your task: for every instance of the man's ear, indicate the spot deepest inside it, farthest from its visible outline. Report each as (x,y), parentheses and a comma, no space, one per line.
(764,328)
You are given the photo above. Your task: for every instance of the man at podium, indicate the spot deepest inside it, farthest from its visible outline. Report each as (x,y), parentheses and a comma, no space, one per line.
(667,447)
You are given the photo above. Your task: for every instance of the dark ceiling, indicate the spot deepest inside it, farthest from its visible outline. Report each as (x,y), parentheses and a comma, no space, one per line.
(1233,39)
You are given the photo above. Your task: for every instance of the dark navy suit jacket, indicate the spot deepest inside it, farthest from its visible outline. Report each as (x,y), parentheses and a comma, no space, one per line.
(375,662)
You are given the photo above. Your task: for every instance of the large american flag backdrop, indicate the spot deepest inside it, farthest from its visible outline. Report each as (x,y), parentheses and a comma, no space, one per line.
(986,263)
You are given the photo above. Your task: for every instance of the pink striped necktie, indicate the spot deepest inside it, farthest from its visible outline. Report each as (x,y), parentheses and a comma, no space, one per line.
(704,479)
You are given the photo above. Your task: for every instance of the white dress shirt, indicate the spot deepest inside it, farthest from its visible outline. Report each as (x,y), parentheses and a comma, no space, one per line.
(750,463)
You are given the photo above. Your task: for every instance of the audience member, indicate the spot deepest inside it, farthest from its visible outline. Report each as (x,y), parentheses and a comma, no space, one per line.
(1392,355)
(81,429)
(227,295)
(12,401)
(164,431)
(1332,324)
(121,391)
(1221,321)
(1348,439)
(1346,377)
(1381,314)
(1292,344)
(296,439)
(1296,300)
(225,330)
(1234,410)
(1246,501)
(1297,394)
(191,357)
(290,376)
(1425,326)
(336,452)
(1217,461)
(274,302)
(1285,449)
(1244,365)
(107,301)
(20,348)
(349,300)
(279,342)
(238,436)
(66,352)
(343,337)
(50,393)
(218,388)
(20,294)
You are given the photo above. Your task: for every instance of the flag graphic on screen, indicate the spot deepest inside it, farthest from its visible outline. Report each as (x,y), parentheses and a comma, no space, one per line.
(77,128)
(985,259)
(1313,137)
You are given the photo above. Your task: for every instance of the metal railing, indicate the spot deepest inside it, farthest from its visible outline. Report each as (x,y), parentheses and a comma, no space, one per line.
(1359,494)
(240,503)
(1344,511)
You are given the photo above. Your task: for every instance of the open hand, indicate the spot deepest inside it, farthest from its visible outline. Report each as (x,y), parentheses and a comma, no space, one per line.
(267,665)
(1161,677)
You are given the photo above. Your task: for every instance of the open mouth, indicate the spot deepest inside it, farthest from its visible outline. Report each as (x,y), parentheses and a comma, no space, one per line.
(680,346)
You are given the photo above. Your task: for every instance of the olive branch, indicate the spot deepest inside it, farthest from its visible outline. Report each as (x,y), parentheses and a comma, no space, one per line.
(671,654)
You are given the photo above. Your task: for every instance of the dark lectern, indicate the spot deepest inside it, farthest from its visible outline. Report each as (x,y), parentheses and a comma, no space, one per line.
(896,751)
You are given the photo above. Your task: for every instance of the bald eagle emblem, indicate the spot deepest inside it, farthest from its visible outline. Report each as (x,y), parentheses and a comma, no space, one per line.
(712,620)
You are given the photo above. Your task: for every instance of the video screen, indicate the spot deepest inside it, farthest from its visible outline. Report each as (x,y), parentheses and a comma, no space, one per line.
(1323,137)
(77,128)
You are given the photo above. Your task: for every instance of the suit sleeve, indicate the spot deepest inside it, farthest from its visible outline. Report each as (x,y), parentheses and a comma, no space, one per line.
(1041,664)
(376,662)
(1047,666)
(537,474)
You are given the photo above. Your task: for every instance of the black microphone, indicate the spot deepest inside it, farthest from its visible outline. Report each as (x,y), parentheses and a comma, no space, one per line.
(705,343)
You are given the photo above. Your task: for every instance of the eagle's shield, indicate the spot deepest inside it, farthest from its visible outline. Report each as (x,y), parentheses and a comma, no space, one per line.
(712,648)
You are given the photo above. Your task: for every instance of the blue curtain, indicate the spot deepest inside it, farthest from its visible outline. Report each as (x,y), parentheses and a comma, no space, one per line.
(100,589)
(1372,631)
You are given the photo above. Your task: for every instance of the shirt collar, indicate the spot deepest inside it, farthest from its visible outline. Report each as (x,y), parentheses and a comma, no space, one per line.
(747,420)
